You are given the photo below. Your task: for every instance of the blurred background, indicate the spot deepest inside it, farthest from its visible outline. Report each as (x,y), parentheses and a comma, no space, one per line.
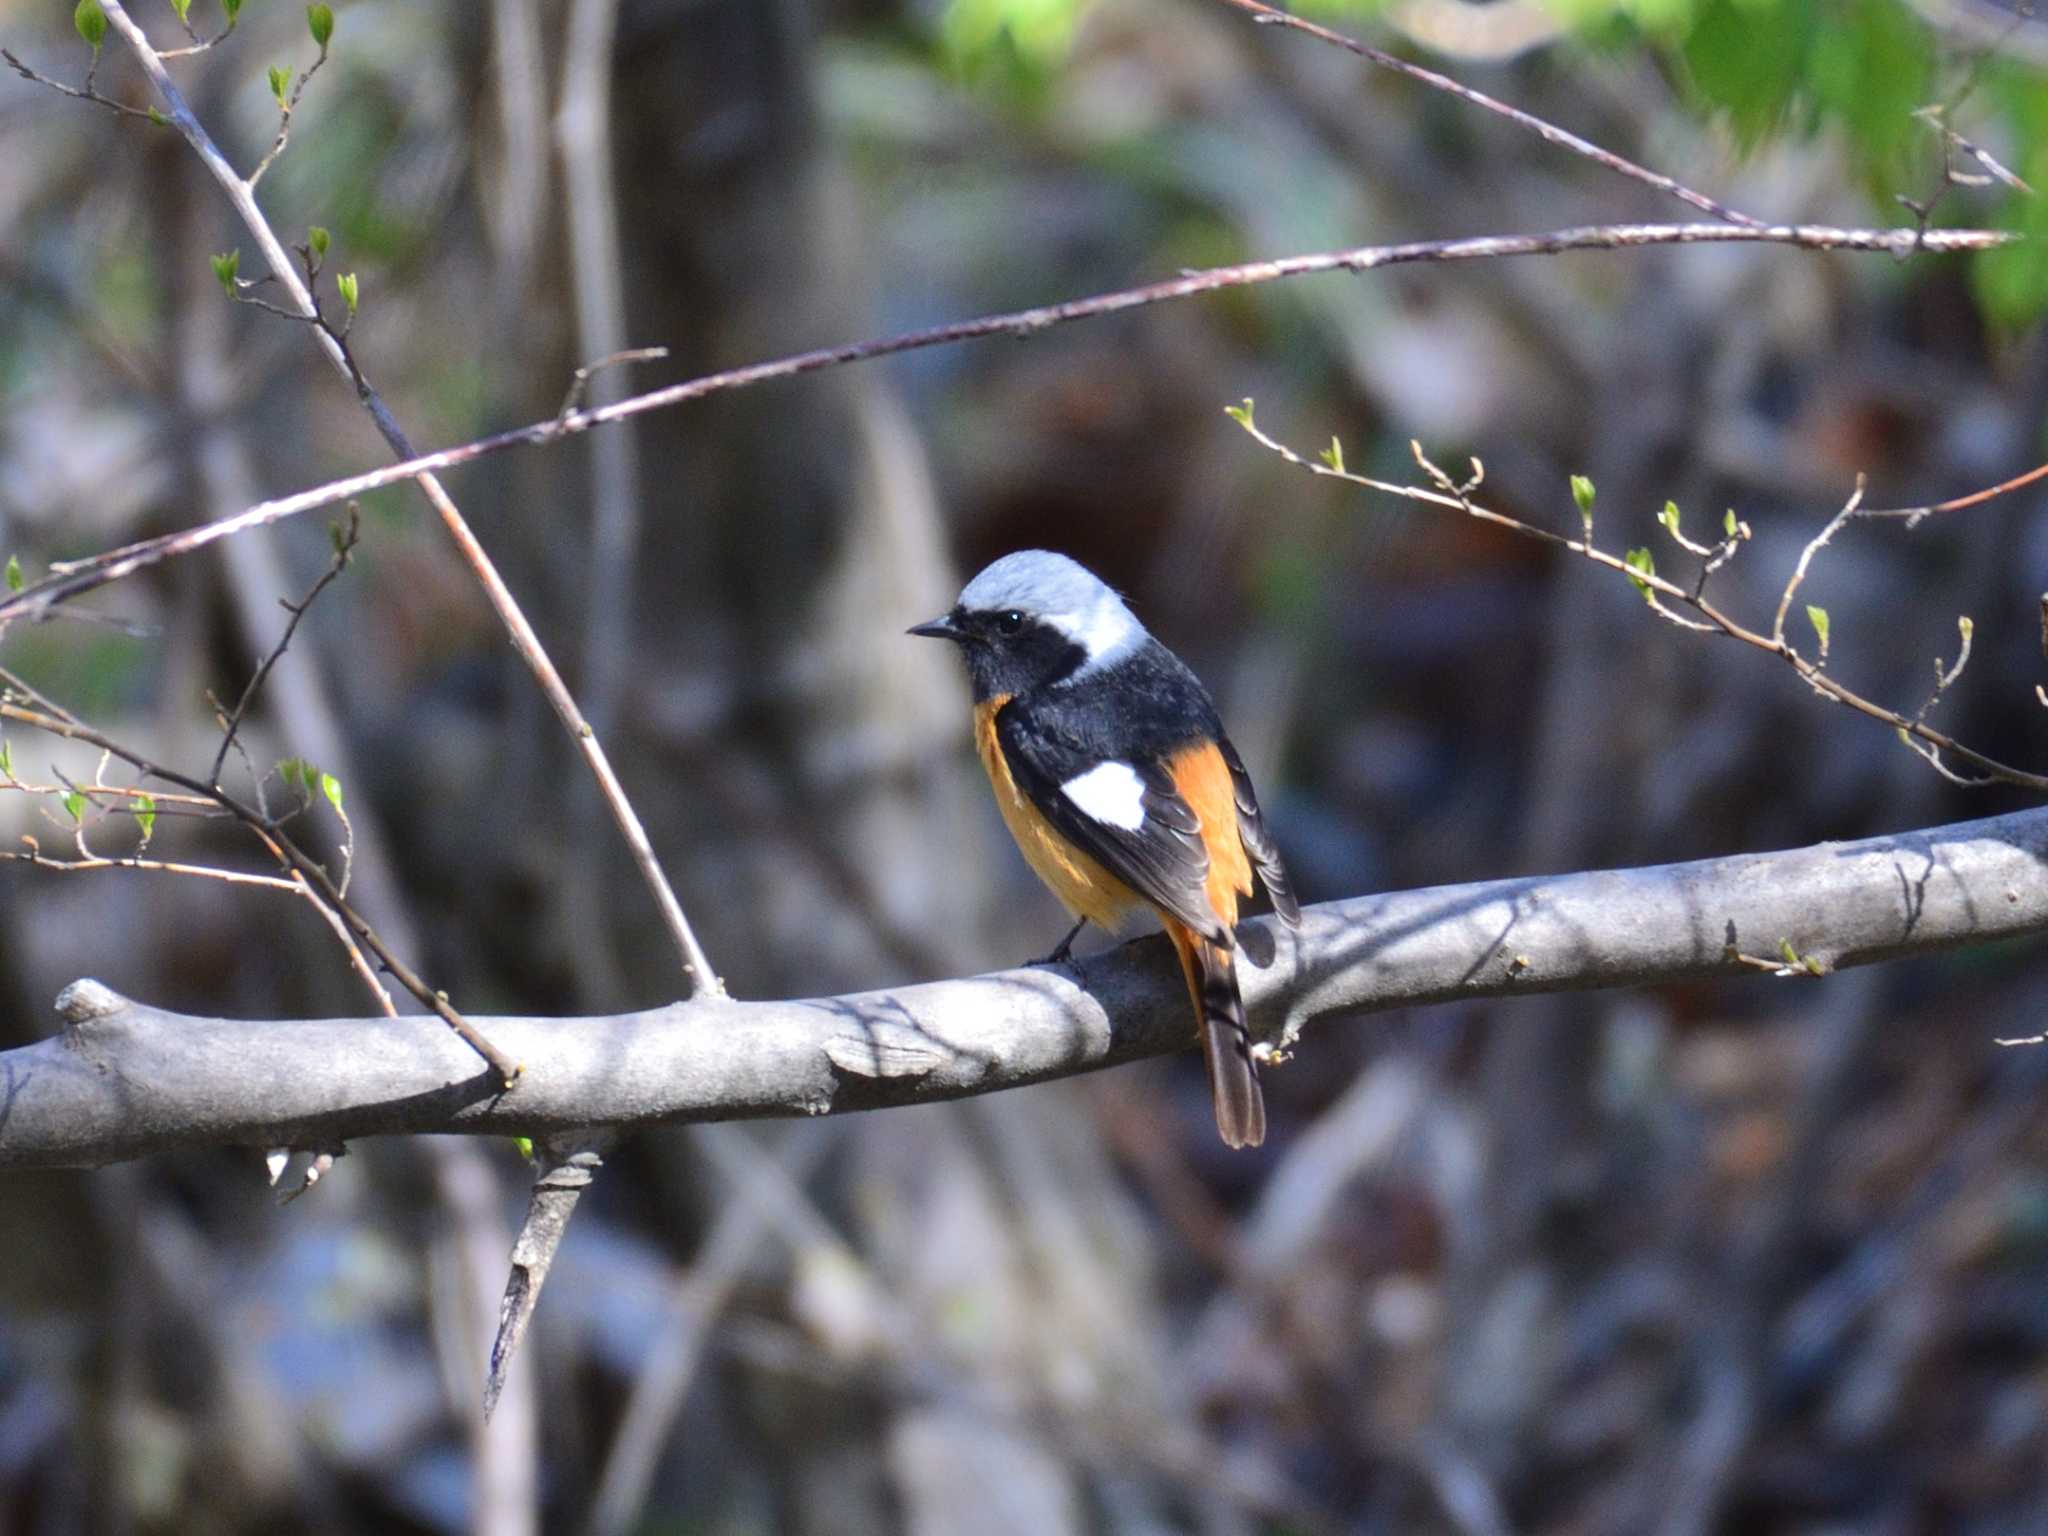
(1749,1257)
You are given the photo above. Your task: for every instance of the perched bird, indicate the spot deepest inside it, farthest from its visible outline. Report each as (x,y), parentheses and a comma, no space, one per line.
(1113,774)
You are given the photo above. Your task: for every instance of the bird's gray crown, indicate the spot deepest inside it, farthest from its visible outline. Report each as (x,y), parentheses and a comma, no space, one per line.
(1063,593)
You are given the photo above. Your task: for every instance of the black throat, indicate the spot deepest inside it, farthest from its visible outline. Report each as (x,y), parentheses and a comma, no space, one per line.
(1007,665)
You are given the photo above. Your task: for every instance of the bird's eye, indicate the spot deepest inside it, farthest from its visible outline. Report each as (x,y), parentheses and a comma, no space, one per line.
(1009,621)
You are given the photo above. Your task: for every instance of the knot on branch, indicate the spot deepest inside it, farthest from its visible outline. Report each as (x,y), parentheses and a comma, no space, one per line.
(86,1000)
(885,1050)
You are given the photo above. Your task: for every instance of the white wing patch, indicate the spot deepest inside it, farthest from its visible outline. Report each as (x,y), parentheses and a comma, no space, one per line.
(1111,793)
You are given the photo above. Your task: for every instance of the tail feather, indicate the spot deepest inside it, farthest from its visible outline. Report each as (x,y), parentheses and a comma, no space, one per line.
(1211,973)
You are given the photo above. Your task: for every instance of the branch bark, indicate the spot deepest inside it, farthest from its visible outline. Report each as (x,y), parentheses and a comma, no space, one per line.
(123,1079)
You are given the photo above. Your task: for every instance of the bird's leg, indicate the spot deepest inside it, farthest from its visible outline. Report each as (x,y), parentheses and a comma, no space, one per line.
(1065,947)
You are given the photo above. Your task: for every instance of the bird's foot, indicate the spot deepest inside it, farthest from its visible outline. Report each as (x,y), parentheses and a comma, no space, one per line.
(1065,948)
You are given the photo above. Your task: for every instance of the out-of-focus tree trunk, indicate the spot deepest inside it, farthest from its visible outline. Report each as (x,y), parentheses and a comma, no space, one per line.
(793,751)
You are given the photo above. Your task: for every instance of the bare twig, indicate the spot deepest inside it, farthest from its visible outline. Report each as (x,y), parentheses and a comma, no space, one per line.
(163,802)
(1984,157)
(74,578)
(285,109)
(292,857)
(1549,132)
(1653,585)
(344,545)
(200,44)
(1944,679)
(567,1170)
(89,92)
(1914,515)
(89,861)
(698,975)
(579,385)
(1813,547)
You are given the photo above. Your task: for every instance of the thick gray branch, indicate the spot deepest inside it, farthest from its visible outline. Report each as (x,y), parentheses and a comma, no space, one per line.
(123,1079)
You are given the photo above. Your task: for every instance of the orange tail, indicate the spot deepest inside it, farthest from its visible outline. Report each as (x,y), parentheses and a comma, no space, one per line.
(1211,972)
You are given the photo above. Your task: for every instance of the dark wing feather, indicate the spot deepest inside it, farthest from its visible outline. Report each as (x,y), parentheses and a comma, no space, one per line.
(1258,841)
(1162,858)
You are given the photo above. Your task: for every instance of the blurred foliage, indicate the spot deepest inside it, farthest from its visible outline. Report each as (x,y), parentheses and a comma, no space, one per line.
(1872,71)
(1014,37)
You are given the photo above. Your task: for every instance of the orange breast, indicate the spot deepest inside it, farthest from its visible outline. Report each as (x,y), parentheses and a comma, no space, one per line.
(1082,885)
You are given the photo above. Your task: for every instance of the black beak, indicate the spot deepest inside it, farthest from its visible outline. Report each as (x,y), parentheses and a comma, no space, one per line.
(941,628)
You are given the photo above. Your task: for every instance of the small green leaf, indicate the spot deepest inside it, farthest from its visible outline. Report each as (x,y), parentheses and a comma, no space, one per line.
(158,118)
(1582,493)
(346,282)
(330,786)
(1818,618)
(338,537)
(1728,523)
(145,815)
(225,268)
(1241,414)
(320,22)
(74,802)
(14,573)
(1334,456)
(6,760)
(183,8)
(1641,563)
(1669,518)
(316,240)
(91,22)
(280,82)
(293,771)
(525,1146)
(231,9)
(1789,954)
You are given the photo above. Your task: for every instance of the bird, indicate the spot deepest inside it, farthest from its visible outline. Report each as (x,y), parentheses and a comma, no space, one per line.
(1112,772)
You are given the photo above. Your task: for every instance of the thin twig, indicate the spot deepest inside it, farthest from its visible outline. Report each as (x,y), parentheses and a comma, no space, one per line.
(1945,676)
(568,1169)
(579,385)
(1549,132)
(345,543)
(379,994)
(33,854)
(284,121)
(89,92)
(195,807)
(1985,158)
(698,975)
(292,857)
(200,44)
(1813,547)
(1914,515)
(1773,643)
(21,688)
(73,578)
